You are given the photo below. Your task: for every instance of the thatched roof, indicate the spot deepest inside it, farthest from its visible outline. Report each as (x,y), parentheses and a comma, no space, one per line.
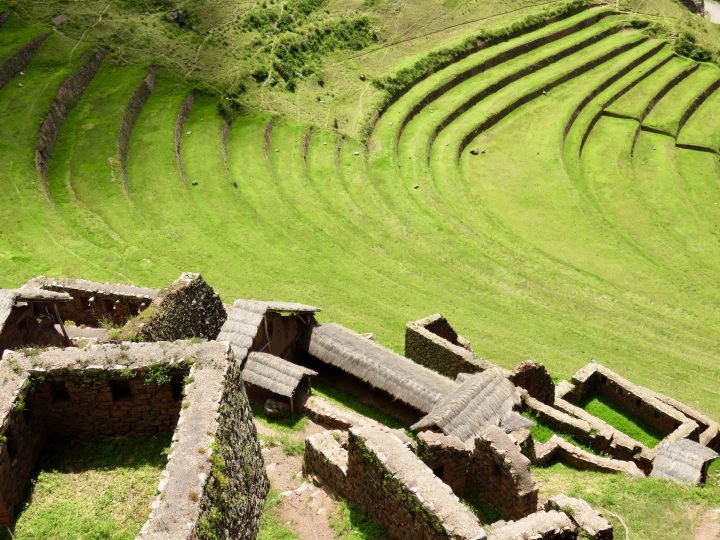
(93,287)
(400,377)
(485,398)
(682,461)
(274,373)
(245,317)
(10,297)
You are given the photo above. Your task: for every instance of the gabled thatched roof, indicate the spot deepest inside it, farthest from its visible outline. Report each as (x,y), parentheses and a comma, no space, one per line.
(9,297)
(400,377)
(245,317)
(274,373)
(682,461)
(485,398)
(95,287)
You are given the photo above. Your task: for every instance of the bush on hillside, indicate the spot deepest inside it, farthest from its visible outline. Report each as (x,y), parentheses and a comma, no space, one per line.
(686,46)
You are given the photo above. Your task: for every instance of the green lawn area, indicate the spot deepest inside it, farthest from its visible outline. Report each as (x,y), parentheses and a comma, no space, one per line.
(621,420)
(92,489)
(651,509)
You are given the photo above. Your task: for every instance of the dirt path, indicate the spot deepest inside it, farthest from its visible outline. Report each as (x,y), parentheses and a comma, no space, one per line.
(710,527)
(305,508)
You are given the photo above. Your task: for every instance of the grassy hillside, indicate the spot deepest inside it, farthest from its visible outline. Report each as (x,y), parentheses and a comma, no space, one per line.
(552,191)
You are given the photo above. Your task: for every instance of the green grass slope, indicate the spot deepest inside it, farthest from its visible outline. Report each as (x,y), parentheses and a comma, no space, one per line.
(513,189)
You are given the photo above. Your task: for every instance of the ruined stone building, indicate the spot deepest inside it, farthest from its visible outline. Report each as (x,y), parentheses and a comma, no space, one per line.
(102,345)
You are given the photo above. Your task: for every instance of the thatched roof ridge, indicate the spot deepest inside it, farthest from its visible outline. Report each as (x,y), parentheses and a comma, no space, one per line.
(262,306)
(400,377)
(682,461)
(485,398)
(274,373)
(96,287)
(244,319)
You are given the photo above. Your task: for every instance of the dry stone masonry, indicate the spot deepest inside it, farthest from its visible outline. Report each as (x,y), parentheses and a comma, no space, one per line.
(472,440)
(433,343)
(192,389)
(188,308)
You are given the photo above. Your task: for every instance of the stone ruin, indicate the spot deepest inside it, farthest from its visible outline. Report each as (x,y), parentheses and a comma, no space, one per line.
(193,390)
(472,440)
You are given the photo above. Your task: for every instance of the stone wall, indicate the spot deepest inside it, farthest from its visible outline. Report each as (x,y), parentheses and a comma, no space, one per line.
(215,463)
(500,475)
(86,403)
(69,92)
(24,438)
(188,308)
(91,402)
(558,449)
(534,378)
(381,475)
(448,458)
(179,132)
(132,111)
(400,492)
(235,493)
(18,61)
(589,521)
(433,343)
(326,460)
(595,379)
(97,308)
(696,6)
(30,326)
(543,525)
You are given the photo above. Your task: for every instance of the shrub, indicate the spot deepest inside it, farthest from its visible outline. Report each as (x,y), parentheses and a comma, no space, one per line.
(686,46)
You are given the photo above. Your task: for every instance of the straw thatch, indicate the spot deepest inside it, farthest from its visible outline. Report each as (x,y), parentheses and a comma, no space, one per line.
(485,398)
(275,374)
(682,461)
(246,316)
(400,377)
(94,287)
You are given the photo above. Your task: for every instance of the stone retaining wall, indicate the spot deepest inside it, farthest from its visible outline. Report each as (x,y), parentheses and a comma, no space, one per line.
(69,92)
(433,343)
(500,475)
(179,128)
(19,61)
(696,6)
(130,116)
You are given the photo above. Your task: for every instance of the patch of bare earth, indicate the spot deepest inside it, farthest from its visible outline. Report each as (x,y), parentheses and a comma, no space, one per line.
(305,507)
(709,528)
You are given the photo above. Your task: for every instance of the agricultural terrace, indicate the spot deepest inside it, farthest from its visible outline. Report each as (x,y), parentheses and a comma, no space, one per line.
(551,186)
